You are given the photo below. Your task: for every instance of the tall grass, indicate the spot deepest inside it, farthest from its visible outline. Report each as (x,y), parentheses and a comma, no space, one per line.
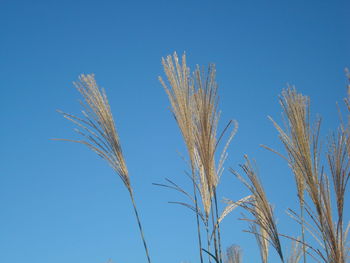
(302,147)
(301,143)
(181,100)
(98,132)
(321,183)
(194,101)
(263,226)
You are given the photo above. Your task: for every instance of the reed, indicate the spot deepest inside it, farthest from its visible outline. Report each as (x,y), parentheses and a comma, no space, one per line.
(99,133)
(302,146)
(263,224)
(297,141)
(181,99)
(193,100)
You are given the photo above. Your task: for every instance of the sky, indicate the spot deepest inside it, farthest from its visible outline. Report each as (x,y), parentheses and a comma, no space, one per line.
(60,202)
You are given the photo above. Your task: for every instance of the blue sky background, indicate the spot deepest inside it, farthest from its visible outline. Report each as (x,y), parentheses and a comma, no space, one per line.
(60,203)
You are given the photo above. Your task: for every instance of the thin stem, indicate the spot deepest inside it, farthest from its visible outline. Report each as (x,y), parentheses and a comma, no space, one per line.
(208,239)
(139,224)
(303,228)
(215,240)
(218,226)
(197,217)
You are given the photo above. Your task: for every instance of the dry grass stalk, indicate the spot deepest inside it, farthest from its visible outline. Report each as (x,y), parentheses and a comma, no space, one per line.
(233,254)
(302,148)
(338,159)
(206,117)
(332,228)
(261,210)
(301,145)
(98,129)
(231,205)
(205,126)
(194,105)
(180,95)
(203,187)
(296,252)
(262,240)
(296,138)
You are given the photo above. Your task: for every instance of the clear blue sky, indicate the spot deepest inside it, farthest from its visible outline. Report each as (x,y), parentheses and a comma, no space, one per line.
(60,203)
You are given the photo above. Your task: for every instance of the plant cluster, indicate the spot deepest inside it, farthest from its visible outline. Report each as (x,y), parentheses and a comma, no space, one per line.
(193,98)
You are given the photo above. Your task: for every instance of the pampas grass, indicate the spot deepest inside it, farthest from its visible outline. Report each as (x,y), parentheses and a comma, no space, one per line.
(98,132)
(301,144)
(180,96)
(263,225)
(193,97)
(193,100)
(297,140)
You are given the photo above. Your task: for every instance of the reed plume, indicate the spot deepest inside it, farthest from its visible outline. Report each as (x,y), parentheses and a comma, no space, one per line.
(332,228)
(181,99)
(99,133)
(206,118)
(264,224)
(193,99)
(301,143)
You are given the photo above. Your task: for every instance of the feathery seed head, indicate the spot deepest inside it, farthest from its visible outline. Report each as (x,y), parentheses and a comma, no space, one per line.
(97,127)
(193,100)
